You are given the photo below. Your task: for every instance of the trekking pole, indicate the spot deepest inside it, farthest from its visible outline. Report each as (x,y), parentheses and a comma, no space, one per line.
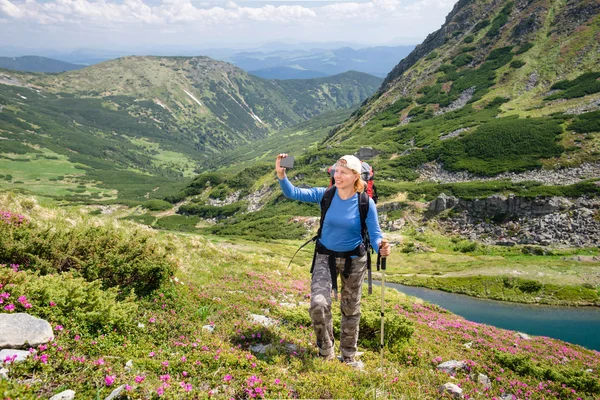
(382,306)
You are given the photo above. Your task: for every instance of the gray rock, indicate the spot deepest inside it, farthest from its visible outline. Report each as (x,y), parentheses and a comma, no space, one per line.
(508,396)
(4,373)
(22,330)
(66,395)
(523,336)
(484,380)
(262,320)
(208,328)
(451,388)
(129,365)
(366,153)
(21,355)
(115,393)
(451,366)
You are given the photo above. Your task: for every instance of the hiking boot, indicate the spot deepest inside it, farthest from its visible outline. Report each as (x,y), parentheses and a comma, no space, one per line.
(329,357)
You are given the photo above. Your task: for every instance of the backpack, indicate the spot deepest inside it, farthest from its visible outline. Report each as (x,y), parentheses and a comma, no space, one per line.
(363,208)
(368,176)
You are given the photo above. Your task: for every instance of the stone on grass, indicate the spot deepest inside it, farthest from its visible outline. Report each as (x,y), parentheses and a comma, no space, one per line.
(508,396)
(115,393)
(208,328)
(484,380)
(3,373)
(9,354)
(273,349)
(451,388)
(262,320)
(452,366)
(523,336)
(66,395)
(128,365)
(22,330)
(468,345)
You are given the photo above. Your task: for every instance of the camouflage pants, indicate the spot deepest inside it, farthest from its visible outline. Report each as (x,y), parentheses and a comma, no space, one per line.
(320,304)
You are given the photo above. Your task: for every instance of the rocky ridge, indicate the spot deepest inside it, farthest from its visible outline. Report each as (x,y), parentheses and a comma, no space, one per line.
(511,220)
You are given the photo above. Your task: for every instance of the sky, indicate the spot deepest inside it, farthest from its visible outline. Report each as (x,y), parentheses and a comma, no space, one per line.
(147,24)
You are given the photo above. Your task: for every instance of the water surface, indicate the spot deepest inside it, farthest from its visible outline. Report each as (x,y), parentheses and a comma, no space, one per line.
(579,325)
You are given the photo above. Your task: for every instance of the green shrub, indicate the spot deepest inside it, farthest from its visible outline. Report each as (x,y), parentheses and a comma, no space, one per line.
(517,64)
(144,219)
(398,329)
(480,25)
(499,21)
(583,85)
(587,122)
(523,48)
(77,303)
(157,205)
(462,60)
(208,211)
(529,286)
(466,247)
(524,365)
(469,39)
(130,261)
(431,55)
(219,192)
(177,223)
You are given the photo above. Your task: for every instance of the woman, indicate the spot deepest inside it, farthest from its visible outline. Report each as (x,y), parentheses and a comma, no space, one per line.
(340,249)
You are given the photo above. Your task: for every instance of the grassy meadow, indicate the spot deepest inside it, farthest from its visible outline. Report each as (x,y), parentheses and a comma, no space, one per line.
(170,315)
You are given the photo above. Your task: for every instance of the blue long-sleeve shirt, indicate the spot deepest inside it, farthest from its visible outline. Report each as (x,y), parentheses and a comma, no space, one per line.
(341,230)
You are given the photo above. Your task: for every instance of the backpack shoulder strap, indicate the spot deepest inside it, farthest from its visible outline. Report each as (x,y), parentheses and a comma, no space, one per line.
(325,203)
(363,208)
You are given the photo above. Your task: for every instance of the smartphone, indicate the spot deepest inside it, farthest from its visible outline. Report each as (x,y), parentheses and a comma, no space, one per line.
(287,162)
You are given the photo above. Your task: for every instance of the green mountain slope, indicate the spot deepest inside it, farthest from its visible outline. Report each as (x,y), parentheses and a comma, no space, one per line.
(136,118)
(498,88)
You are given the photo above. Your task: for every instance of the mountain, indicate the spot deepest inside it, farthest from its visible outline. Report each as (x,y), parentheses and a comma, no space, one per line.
(37,64)
(135,118)
(286,73)
(502,101)
(502,87)
(376,61)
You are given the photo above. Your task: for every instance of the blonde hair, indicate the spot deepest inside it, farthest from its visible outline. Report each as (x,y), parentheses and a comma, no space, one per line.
(359,184)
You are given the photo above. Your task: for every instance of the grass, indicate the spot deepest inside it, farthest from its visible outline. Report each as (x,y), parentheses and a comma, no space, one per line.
(219,283)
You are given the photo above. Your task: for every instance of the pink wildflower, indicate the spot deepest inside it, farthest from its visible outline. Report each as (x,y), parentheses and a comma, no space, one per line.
(139,379)
(109,380)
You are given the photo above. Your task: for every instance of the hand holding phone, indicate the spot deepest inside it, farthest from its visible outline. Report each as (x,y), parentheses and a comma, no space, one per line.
(287,162)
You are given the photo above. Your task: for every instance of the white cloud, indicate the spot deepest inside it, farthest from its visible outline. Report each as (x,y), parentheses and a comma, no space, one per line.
(192,21)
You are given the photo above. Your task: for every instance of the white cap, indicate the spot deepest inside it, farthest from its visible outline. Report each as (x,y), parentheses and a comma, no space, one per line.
(352,163)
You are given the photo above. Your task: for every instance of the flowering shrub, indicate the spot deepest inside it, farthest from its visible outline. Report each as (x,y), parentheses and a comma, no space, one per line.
(93,252)
(65,299)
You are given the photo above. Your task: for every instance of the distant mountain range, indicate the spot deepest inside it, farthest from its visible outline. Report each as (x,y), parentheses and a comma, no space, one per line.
(270,61)
(37,64)
(285,64)
(287,73)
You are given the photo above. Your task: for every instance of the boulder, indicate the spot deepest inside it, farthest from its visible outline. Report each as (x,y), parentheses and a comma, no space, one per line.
(452,366)
(451,388)
(22,330)
(115,393)
(14,355)
(66,395)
